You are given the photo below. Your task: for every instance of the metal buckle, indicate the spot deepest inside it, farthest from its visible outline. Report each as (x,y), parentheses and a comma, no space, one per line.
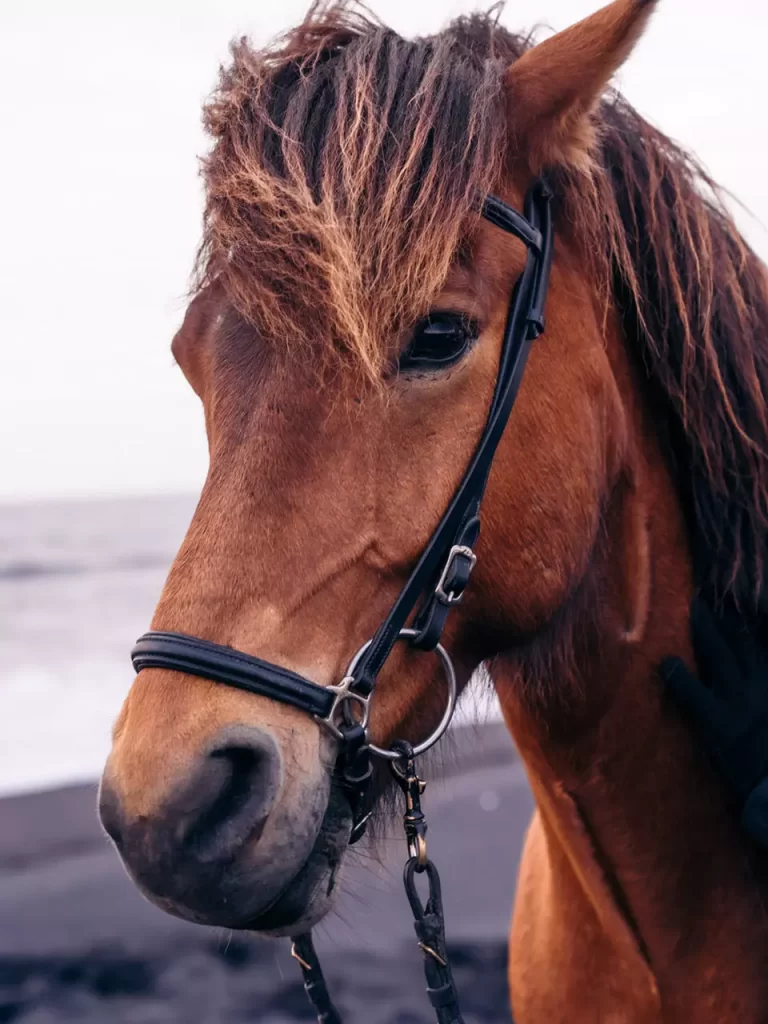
(344,694)
(443,595)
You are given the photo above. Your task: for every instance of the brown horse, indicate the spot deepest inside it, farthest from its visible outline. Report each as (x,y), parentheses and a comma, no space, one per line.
(342,217)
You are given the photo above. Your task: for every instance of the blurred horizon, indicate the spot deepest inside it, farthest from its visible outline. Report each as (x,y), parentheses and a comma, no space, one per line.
(102,106)
(78,582)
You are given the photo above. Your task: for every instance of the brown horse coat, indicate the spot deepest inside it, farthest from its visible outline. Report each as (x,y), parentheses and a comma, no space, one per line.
(342,195)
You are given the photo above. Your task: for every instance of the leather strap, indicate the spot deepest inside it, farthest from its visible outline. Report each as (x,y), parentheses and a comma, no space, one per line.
(453,581)
(303,950)
(525,322)
(429,925)
(202,658)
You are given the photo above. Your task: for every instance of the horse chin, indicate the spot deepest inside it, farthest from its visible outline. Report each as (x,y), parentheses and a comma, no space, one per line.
(311,893)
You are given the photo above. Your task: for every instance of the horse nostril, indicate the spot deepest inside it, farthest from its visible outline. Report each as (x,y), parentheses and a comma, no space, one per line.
(230,798)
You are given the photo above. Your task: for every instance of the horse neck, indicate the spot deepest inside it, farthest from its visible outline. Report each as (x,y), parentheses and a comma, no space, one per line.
(634,823)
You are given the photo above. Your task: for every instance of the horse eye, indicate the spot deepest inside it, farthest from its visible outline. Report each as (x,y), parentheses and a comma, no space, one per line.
(440,340)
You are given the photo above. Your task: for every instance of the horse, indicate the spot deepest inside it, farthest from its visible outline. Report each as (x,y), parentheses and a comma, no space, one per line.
(343,336)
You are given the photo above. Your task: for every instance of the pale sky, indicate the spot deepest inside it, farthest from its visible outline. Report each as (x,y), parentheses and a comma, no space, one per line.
(100,110)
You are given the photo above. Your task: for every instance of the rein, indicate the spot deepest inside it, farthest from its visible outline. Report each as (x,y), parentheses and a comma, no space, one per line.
(438,581)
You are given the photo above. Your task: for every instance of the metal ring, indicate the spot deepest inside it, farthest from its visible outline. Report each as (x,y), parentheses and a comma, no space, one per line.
(445,721)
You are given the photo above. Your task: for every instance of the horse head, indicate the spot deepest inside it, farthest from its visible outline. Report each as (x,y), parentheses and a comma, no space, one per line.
(344,341)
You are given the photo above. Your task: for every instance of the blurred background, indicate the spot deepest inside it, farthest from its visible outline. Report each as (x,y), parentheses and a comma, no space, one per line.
(102,453)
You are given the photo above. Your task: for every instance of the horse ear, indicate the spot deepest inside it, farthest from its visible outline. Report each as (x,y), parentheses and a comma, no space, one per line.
(554,87)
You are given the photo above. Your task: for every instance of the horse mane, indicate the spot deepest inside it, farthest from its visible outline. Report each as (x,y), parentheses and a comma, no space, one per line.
(694,302)
(344,178)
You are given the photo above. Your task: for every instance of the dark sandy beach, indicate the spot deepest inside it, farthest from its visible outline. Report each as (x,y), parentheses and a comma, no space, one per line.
(77,943)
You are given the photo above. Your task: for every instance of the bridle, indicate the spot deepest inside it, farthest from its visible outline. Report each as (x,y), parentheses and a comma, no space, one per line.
(439,580)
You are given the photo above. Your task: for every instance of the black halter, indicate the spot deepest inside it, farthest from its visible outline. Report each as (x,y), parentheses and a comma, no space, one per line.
(439,580)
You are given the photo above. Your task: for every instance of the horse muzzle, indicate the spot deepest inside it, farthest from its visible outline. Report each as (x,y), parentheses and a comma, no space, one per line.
(223,848)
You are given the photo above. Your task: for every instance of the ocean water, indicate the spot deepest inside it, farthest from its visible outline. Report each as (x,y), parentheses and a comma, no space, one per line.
(78,583)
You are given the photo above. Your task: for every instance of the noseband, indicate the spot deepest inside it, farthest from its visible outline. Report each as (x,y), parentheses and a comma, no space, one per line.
(438,581)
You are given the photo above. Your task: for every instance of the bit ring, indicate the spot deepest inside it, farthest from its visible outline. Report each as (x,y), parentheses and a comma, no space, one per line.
(394,755)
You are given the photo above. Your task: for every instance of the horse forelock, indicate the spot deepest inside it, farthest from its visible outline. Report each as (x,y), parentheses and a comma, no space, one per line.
(345,173)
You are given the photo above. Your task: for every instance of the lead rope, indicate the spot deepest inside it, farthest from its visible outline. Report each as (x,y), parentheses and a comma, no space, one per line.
(303,951)
(428,919)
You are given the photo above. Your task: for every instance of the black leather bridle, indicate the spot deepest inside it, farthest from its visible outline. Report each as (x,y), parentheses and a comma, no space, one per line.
(438,580)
